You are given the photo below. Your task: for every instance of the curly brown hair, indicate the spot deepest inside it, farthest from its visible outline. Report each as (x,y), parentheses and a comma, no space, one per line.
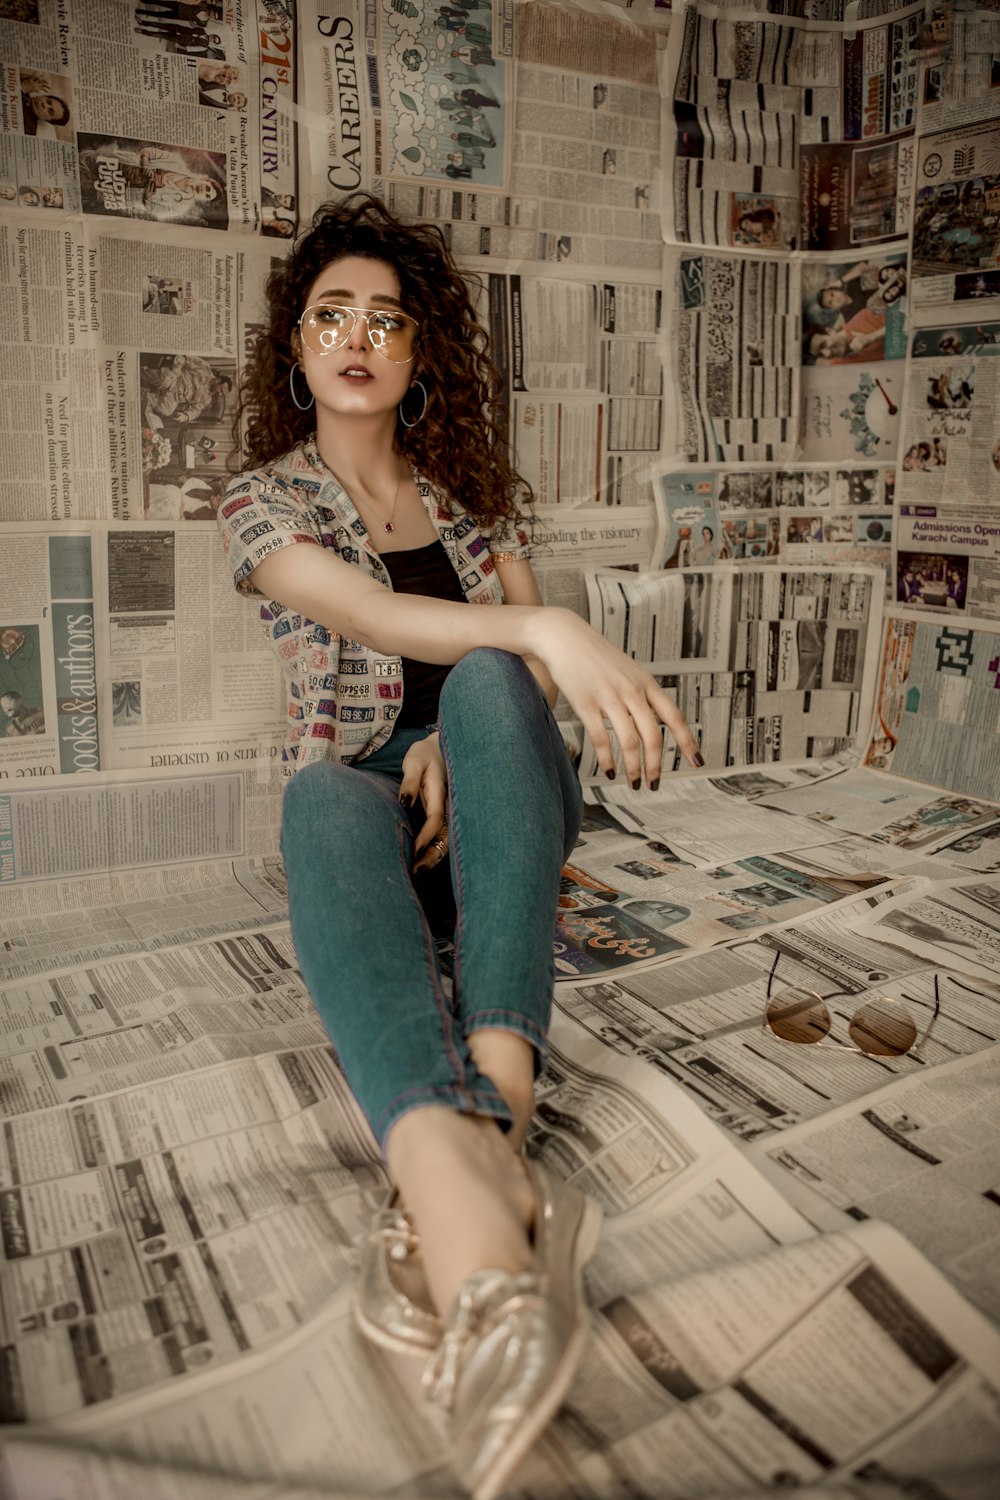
(459,444)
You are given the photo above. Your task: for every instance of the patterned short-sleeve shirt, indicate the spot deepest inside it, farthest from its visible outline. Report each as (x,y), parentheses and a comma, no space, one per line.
(343,697)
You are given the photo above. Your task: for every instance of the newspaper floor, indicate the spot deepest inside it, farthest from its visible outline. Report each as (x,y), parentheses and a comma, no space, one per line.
(797,1285)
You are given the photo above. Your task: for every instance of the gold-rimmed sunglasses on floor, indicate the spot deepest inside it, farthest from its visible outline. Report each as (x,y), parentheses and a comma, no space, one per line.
(329,325)
(881,1027)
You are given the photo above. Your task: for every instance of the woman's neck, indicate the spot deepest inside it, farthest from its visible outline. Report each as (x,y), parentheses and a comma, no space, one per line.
(360,451)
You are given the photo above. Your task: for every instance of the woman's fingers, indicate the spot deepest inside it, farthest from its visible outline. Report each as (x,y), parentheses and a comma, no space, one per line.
(635,717)
(425,776)
(669,714)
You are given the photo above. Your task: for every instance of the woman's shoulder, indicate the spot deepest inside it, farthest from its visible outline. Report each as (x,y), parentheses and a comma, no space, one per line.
(294,474)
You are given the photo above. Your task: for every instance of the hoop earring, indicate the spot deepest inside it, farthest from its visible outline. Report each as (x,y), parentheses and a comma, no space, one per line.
(423,409)
(302,405)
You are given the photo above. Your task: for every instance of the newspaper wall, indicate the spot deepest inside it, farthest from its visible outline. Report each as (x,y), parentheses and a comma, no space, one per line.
(182,1169)
(854,153)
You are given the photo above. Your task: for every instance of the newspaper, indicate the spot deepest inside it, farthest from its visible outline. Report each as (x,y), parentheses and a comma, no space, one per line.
(912,1156)
(56,925)
(933,714)
(128,648)
(821,515)
(767,664)
(231,1336)
(147,114)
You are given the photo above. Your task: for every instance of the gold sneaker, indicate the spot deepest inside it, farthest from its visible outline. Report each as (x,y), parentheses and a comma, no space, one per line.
(392,1306)
(513,1343)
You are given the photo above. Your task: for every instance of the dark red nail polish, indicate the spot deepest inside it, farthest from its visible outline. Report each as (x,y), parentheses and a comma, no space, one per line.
(405,800)
(699,759)
(654,786)
(636,784)
(610,775)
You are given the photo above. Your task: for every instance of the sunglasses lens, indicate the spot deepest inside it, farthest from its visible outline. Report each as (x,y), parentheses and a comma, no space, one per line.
(798,1016)
(393,336)
(883,1028)
(326,328)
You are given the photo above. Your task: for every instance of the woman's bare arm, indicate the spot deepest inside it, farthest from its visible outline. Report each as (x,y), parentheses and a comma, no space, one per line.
(602,686)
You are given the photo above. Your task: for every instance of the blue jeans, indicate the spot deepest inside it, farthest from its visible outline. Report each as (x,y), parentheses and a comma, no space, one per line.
(358,915)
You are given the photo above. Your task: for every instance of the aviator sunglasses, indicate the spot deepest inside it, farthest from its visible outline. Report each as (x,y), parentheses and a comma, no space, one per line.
(882,1027)
(328,326)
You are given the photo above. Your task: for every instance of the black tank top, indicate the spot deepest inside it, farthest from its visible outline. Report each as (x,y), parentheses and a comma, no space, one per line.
(422,570)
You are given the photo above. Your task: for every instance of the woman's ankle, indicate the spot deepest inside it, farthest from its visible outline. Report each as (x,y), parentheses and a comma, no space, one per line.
(468,1194)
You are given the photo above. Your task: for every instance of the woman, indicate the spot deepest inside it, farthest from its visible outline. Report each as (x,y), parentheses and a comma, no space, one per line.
(379,505)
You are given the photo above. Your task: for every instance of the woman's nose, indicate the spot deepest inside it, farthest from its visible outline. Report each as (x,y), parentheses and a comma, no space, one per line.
(360,337)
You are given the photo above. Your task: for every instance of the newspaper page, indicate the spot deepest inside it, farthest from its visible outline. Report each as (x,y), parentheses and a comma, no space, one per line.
(821,515)
(55,828)
(958,919)
(913,1156)
(631,898)
(56,925)
(732,325)
(86,1032)
(167,114)
(935,715)
(129,648)
(889,810)
(583,384)
(767,664)
(792,130)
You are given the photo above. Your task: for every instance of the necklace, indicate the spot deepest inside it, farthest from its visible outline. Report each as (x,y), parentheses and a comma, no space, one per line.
(386,525)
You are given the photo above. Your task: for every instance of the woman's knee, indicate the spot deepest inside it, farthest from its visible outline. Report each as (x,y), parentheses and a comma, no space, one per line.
(484,669)
(311,798)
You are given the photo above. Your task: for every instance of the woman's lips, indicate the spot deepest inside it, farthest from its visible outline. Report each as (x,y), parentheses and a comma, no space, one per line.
(356,372)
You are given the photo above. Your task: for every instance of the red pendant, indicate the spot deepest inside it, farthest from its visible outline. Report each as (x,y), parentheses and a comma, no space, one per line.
(388,526)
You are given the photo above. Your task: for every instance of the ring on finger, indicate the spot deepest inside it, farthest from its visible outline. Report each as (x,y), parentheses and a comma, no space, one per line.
(440,844)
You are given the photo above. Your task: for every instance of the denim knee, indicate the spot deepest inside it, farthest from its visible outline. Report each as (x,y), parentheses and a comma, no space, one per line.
(308,799)
(486,669)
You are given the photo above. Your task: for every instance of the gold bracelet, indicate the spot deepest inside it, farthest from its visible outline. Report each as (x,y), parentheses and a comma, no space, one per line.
(504,557)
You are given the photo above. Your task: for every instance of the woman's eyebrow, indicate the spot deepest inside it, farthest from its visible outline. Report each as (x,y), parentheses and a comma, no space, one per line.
(340,291)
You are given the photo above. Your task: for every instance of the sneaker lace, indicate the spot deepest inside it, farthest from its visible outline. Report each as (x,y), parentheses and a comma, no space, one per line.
(480,1297)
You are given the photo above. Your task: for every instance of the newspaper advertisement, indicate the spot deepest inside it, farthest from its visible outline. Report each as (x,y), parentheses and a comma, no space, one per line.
(950,442)
(644,903)
(958,920)
(955,257)
(408,93)
(172,115)
(853,347)
(935,717)
(768,664)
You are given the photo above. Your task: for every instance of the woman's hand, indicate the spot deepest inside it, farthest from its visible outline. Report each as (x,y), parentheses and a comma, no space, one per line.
(606,688)
(425,776)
